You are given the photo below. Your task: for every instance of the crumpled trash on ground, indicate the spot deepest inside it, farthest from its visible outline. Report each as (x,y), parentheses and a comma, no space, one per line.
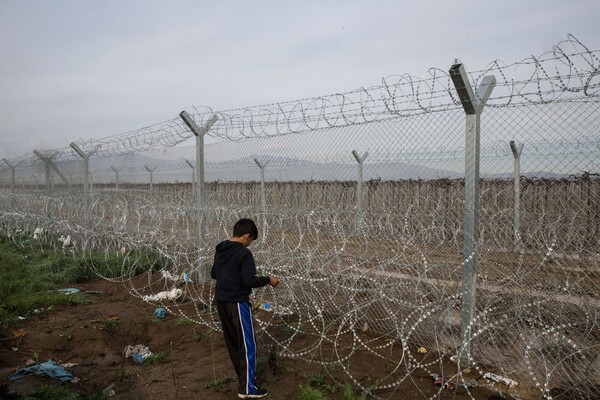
(47,368)
(66,241)
(160,313)
(183,278)
(501,379)
(276,309)
(38,233)
(67,290)
(167,275)
(172,295)
(138,352)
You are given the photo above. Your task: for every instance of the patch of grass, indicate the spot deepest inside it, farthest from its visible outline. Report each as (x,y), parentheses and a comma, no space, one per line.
(53,392)
(198,335)
(331,387)
(30,273)
(316,380)
(349,392)
(155,358)
(182,321)
(310,393)
(220,385)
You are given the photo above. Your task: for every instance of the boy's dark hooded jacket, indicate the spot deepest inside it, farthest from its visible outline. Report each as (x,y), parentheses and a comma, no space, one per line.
(235,272)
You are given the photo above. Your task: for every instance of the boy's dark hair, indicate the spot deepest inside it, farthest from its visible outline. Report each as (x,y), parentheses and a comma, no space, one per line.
(243,226)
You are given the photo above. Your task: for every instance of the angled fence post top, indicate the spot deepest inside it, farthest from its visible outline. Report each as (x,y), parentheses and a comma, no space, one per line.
(11,165)
(82,152)
(360,158)
(261,164)
(45,157)
(472,103)
(189,121)
(516,150)
(48,160)
(150,169)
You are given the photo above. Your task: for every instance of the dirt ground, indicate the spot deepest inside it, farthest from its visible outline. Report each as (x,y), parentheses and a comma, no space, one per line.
(94,337)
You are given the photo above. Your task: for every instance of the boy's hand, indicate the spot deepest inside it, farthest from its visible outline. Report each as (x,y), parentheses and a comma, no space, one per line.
(273,281)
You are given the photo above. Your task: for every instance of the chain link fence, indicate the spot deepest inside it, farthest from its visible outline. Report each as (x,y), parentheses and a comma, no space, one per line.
(360,200)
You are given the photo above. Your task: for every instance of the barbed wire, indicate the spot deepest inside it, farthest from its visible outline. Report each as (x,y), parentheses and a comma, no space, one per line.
(383,286)
(570,69)
(388,291)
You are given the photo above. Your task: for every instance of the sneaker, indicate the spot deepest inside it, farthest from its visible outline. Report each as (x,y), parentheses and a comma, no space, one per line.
(259,394)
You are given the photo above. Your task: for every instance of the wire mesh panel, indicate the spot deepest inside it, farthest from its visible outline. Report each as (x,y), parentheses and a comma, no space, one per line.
(359,198)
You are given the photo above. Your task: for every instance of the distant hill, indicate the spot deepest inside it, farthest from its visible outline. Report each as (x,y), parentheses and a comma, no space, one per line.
(132,169)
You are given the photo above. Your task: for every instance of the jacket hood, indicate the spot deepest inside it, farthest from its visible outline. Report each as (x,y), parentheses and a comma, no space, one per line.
(227,249)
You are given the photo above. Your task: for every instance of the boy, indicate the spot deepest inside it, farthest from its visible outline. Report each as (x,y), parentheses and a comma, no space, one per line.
(235,272)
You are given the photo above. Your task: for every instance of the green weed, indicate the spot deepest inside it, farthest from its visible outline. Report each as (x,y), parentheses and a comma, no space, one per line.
(310,393)
(29,275)
(220,385)
(53,392)
(198,335)
(349,392)
(155,358)
(316,380)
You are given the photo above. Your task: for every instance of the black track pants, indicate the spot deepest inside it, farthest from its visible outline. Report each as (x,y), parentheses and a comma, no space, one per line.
(236,320)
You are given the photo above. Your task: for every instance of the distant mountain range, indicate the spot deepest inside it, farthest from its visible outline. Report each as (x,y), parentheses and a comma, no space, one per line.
(132,169)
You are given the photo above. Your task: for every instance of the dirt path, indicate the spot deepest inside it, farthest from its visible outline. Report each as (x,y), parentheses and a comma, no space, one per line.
(94,336)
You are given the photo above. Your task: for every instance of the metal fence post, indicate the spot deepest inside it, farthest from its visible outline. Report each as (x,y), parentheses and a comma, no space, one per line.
(151,170)
(473,105)
(359,191)
(49,163)
(117,176)
(35,178)
(263,191)
(199,133)
(86,187)
(516,150)
(194,179)
(12,177)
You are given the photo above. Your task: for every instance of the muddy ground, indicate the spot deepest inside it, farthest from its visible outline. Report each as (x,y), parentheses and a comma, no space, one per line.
(94,337)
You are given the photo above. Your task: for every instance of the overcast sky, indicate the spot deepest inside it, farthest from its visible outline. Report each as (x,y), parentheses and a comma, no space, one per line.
(72,70)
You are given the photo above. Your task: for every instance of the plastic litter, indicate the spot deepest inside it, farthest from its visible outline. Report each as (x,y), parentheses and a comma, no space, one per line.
(422,350)
(282,311)
(172,295)
(160,313)
(67,290)
(441,381)
(138,352)
(66,241)
(500,379)
(167,275)
(186,278)
(47,368)
(37,232)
